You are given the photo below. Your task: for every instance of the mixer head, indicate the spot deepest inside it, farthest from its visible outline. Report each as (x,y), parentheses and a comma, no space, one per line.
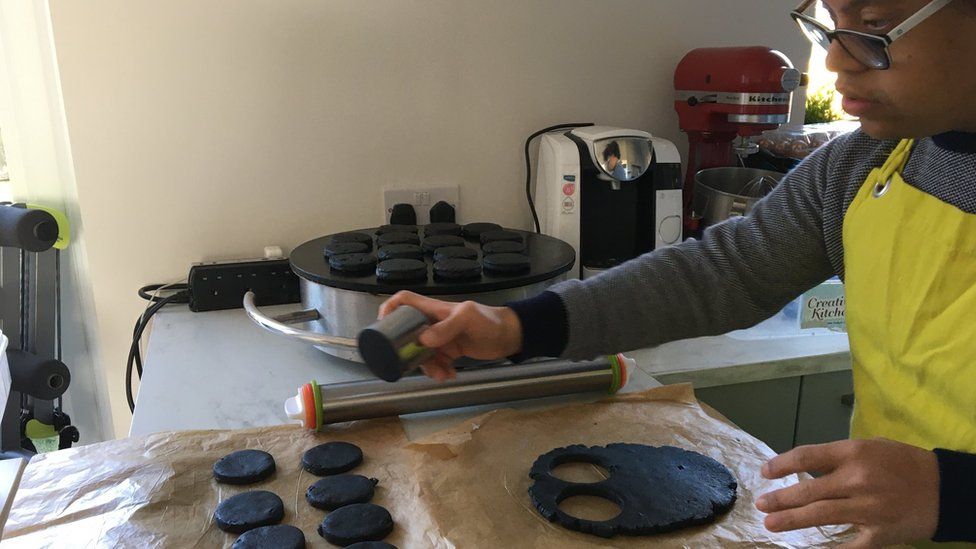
(737,91)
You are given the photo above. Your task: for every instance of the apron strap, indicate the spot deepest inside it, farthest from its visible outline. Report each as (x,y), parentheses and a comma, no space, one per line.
(895,163)
(897,160)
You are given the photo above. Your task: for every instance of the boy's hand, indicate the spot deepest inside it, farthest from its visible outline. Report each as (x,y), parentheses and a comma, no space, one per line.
(888,489)
(461,329)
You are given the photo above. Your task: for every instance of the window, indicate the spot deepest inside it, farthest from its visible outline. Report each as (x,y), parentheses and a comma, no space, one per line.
(821,86)
(6,191)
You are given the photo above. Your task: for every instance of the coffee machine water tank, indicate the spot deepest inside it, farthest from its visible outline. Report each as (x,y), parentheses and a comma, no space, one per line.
(611,193)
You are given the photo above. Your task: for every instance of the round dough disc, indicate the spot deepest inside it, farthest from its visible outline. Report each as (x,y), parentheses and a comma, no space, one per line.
(332,458)
(281,536)
(244,467)
(249,510)
(355,523)
(333,492)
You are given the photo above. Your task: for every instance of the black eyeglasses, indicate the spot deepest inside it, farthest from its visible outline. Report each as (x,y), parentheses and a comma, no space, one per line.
(869,49)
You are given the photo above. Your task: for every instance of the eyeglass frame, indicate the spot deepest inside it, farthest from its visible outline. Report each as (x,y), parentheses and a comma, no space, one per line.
(885,40)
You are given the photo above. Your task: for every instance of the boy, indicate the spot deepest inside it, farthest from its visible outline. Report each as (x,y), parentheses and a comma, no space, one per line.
(892,210)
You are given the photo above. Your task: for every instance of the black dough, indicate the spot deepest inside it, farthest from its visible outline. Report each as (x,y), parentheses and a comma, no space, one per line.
(442,228)
(339,248)
(342,238)
(279,536)
(353,263)
(400,270)
(457,269)
(331,493)
(355,523)
(249,510)
(397,238)
(244,467)
(659,489)
(331,458)
(455,252)
(400,251)
(396,229)
(507,263)
(503,247)
(493,236)
(431,243)
(472,231)
(371,545)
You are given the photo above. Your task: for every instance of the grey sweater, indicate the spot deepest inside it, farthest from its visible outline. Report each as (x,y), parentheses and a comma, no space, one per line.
(746,269)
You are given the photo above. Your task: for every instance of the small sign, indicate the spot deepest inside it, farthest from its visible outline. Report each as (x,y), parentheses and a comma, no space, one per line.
(824,307)
(569,178)
(569,205)
(569,189)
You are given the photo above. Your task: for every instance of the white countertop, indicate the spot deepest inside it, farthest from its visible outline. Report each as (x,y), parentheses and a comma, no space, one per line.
(218,370)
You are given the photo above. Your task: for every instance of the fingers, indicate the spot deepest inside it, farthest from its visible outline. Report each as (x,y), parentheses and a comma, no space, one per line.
(440,368)
(820,458)
(433,308)
(866,538)
(447,330)
(819,513)
(803,493)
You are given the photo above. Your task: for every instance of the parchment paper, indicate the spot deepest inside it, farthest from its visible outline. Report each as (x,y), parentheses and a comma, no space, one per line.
(475,475)
(462,487)
(158,490)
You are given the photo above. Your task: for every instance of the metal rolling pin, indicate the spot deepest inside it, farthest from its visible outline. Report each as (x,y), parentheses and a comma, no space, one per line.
(317,405)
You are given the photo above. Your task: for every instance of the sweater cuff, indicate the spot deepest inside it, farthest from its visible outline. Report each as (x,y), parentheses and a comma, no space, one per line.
(545,326)
(957,496)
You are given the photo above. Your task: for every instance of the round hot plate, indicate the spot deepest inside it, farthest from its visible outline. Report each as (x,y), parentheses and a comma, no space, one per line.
(545,258)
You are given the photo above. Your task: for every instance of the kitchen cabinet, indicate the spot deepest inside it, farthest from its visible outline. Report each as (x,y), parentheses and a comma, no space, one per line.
(764,409)
(824,411)
(787,412)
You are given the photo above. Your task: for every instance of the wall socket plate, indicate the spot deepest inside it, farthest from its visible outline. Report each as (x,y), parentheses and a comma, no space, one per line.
(421,198)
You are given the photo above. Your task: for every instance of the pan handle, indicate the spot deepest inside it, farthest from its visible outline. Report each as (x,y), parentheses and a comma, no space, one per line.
(277,326)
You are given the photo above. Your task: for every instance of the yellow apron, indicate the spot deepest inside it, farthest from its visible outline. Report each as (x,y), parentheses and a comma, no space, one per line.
(910,262)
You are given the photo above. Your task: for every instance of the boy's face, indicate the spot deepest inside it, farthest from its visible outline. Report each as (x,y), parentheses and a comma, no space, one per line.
(931,85)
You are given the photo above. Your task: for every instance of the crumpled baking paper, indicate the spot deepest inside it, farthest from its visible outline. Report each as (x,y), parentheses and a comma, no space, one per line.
(462,487)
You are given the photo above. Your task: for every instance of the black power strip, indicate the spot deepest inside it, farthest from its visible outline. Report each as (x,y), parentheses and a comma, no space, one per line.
(222,285)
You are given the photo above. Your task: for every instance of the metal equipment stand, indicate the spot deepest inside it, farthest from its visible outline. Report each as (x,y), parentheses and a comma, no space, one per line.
(37,382)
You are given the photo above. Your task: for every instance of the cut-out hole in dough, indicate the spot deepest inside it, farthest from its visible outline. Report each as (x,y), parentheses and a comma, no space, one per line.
(592,508)
(577,471)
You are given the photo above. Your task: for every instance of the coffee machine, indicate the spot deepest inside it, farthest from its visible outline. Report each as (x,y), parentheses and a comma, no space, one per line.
(723,96)
(611,193)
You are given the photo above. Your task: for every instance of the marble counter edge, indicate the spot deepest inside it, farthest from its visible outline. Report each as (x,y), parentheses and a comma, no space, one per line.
(755,371)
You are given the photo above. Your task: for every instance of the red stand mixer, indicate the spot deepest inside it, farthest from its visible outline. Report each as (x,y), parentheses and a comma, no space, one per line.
(727,94)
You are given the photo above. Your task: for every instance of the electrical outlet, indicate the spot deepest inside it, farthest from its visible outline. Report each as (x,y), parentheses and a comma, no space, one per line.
(421,199)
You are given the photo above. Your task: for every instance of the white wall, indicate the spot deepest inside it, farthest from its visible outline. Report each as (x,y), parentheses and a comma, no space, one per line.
(208,129)
(39,159)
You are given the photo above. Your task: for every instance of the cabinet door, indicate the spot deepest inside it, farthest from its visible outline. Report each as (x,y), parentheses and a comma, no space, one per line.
(764,409)
(825,408)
